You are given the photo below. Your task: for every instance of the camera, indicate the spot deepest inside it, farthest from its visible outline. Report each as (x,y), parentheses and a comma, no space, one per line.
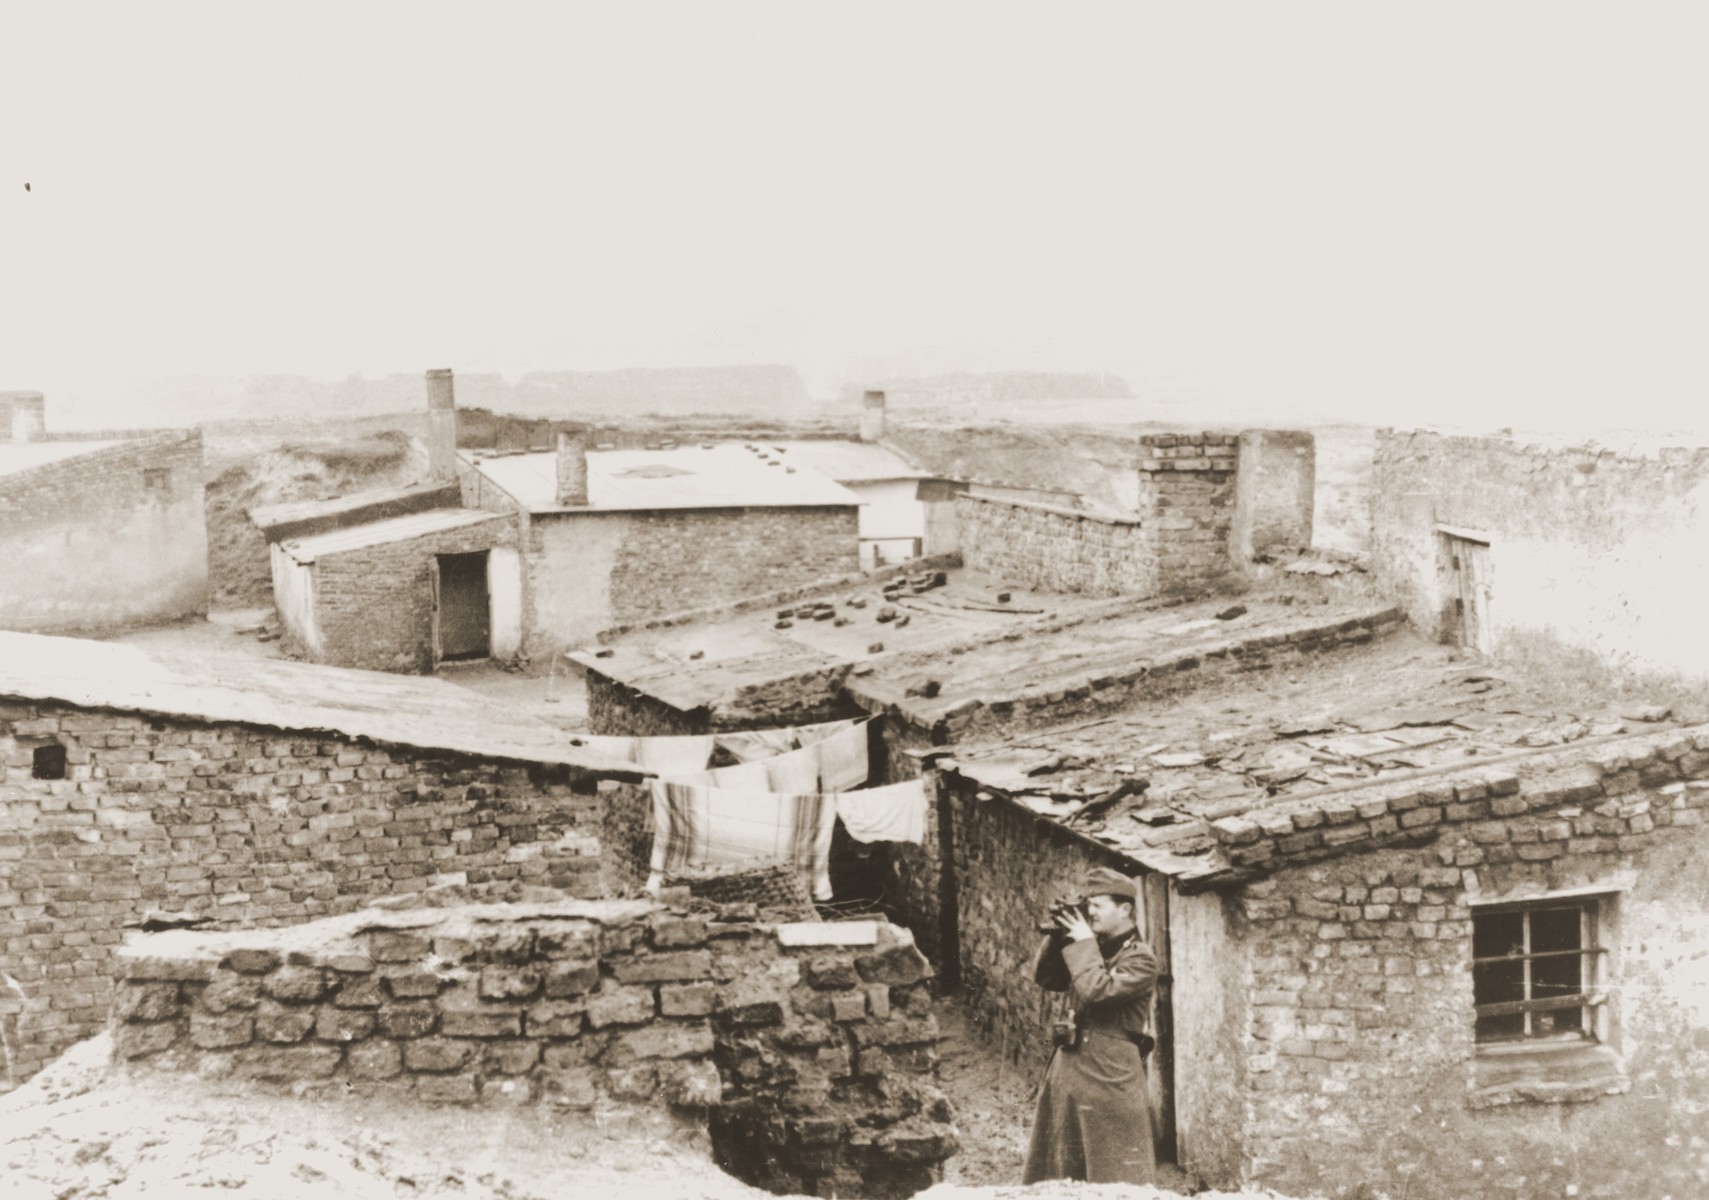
(1061,908)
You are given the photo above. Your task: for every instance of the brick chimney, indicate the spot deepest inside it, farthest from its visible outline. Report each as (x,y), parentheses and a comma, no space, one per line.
(29,415)
(872,416)
(572,468)
(441,426)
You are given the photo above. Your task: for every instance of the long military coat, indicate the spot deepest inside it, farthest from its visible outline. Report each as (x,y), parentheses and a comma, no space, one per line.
(1094,1115)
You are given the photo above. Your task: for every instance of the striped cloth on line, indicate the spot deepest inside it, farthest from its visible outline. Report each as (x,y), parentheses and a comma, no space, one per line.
(696,827)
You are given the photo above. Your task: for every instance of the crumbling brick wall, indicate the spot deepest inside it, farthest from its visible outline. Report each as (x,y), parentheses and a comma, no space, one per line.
(1359,1067)
(374,604)
(106,540)
(811,1050)
(1187,490)
(239,825)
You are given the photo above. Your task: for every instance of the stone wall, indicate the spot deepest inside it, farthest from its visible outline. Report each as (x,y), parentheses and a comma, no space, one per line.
(1595,554)
(1360,1067)
(239,825)
(106,540)
(811,1050)
(374,605)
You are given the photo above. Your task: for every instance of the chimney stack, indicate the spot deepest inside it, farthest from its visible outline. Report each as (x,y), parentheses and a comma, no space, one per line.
(441,426)
(872,417)
(572,468)
(28,415)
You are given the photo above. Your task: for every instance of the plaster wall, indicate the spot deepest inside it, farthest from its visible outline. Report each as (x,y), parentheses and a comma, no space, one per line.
(106,540)
(891,513)
(1594,553)
(1210,1021)
(1275,492)
(294,600)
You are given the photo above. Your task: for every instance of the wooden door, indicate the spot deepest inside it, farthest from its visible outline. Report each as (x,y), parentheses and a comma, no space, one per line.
(1469,562)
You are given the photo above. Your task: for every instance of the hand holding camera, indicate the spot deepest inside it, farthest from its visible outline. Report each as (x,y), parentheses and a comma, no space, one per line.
(1068,918)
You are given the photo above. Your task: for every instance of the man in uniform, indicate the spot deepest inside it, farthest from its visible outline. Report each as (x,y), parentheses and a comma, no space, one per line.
(1094,1116)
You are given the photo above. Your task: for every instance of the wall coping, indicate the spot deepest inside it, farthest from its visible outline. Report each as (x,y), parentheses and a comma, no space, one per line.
(1079,514)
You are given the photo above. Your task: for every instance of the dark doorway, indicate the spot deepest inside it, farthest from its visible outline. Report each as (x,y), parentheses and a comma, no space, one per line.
(464,628)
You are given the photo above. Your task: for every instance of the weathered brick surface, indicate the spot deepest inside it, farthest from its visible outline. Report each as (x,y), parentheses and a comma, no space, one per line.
(374,604)
(240,826)
(806,1086)
(1358,1065)
(1178,541)
(105,540)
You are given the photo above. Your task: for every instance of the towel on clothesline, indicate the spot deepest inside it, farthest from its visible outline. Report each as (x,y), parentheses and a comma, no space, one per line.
(686,756)
(837,763)
(896,813)
(748,745)
(695,827)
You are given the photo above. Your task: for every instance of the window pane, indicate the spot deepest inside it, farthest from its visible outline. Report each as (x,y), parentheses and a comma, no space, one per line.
(1556,929)
(1498,933)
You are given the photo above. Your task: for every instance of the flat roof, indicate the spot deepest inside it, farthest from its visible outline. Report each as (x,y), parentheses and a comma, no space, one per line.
(269,516)
(1274,741)
(726,475)
(400,710)
(22,456)
(850,461)
(377,533)
(979,653)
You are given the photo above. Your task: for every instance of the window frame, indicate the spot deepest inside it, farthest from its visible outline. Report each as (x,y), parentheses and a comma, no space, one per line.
(1591,999)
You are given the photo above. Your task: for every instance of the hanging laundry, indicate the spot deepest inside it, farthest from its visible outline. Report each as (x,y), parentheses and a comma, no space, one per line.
(843,758)
(896,813)
(669,755)
(751,777)
(750,744)
(696,827)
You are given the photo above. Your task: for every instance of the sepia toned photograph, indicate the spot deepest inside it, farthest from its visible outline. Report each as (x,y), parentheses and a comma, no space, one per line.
(964,601)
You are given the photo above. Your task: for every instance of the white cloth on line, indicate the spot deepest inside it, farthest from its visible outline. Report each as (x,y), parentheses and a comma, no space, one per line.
(696,827)
(895,813)
(747,745)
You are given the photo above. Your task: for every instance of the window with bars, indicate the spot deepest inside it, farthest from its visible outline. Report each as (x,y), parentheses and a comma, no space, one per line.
(1536,969)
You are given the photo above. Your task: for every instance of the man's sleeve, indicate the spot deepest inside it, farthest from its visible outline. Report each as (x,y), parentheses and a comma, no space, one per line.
(1130,975)
(1049,971)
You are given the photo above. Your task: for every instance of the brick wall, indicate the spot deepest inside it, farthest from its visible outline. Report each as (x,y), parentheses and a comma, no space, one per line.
(1054,549)
(1359,1065)
(106,540)
(242,826)
(374,604)
(590,571)
(811,1051)
(1178,543)
(1187,485)
(1590,550)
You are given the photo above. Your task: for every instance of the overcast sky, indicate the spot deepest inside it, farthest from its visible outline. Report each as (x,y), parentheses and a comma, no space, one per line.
(1482,212)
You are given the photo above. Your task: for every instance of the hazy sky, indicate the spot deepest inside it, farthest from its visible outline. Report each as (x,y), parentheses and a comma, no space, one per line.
(1486,212)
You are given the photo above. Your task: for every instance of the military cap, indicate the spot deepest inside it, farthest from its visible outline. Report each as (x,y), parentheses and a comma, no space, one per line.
(1102,881)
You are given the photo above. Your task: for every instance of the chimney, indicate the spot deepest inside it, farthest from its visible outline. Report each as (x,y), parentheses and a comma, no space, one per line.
(441,426)
(572,468)
(29,415)
(872,417)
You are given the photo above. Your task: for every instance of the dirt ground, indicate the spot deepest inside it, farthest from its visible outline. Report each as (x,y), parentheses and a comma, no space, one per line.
(83,1129)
